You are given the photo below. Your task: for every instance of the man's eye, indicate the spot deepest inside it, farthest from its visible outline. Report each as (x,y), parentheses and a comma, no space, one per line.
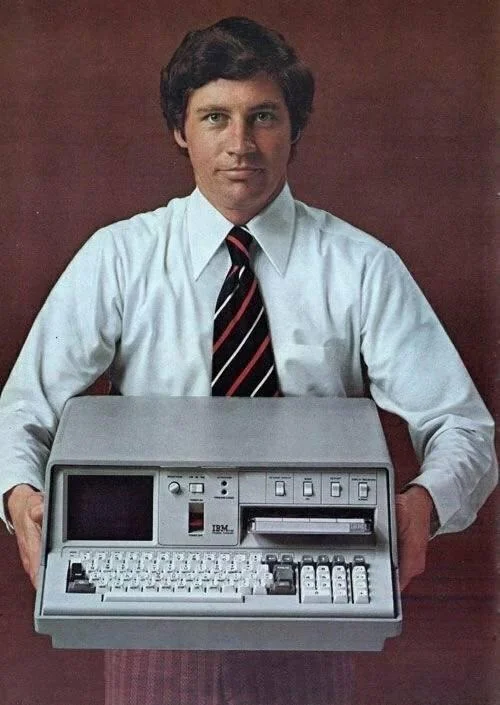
(264,116)
(214,118)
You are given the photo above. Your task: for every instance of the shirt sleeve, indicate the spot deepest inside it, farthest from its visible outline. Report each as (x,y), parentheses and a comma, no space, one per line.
(71,343)
(416,373)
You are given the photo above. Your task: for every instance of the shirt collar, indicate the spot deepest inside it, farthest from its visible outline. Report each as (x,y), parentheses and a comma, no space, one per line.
(272,228)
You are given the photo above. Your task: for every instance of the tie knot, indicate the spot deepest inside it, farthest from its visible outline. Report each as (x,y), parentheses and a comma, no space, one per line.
(238,243)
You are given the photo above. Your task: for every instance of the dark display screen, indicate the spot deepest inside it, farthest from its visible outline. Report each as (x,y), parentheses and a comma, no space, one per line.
(110,508)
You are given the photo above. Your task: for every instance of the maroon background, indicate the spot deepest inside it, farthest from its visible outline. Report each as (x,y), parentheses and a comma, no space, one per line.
(400,144)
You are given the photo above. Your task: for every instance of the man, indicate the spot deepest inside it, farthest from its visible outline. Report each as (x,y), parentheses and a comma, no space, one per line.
(139,299)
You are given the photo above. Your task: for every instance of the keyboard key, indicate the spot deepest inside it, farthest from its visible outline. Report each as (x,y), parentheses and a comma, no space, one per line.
(317,597)
(340,597)
(81,586)
(171,597)
(360,597)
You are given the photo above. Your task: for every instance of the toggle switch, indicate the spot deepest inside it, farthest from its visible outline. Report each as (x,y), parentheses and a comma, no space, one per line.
(362,490)
(308,490)
(335,489)
(279,488)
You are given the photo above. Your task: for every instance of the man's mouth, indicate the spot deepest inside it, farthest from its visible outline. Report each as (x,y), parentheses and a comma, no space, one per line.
(242,171)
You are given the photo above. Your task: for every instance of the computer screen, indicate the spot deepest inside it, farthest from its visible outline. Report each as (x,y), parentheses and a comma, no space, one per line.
(109,507)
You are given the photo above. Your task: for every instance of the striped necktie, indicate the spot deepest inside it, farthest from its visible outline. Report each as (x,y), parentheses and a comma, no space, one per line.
(242,356)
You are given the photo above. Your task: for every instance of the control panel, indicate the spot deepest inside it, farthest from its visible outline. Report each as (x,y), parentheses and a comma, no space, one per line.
(218,507)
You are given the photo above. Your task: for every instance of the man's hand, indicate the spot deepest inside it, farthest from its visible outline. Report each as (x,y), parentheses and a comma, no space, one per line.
(25,507)
(413,509)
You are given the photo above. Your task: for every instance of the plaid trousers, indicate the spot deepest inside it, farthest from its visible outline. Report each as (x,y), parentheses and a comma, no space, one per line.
(228,678)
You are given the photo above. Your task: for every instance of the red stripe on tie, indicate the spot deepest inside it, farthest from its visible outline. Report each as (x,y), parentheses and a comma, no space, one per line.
(237,317)
(238,244)
(249,367)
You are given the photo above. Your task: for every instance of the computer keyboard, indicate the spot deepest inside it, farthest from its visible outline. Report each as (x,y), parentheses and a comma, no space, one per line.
(201,576)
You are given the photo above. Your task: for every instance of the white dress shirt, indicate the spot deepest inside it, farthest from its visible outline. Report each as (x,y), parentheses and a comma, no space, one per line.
(139,299)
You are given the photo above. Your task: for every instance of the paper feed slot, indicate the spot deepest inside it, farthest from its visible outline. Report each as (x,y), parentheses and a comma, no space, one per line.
(309,525)
(310,522)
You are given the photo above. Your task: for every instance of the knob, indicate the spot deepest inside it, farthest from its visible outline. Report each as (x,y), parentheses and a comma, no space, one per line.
(174,487)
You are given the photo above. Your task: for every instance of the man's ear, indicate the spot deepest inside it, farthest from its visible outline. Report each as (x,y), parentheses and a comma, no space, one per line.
(179,138)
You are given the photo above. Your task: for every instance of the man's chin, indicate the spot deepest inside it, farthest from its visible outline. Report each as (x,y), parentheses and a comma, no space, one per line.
(240,199)
(239,210)
(241,196)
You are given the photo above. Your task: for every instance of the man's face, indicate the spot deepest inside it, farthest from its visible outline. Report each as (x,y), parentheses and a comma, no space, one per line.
(238,137)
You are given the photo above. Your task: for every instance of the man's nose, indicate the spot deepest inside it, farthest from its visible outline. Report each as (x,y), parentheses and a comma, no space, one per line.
(240,139)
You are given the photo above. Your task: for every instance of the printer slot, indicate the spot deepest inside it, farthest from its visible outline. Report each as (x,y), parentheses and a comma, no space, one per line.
(310,522)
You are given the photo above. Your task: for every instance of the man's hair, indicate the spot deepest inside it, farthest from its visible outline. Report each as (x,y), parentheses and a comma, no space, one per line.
(236,48)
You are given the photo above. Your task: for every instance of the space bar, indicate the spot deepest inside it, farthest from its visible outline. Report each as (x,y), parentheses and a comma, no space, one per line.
(171,597)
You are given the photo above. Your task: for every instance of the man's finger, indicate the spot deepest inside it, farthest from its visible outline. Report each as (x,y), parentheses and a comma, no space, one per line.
(33,549)
(26,507)
(36,511)
(413,510)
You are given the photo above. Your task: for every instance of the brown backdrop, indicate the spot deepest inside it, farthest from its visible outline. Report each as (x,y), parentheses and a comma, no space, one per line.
(399,145)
